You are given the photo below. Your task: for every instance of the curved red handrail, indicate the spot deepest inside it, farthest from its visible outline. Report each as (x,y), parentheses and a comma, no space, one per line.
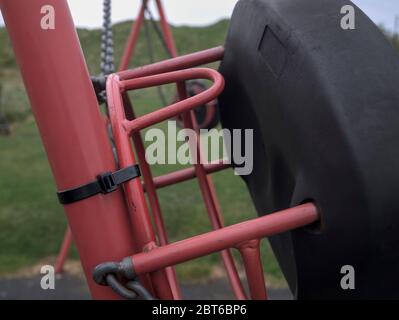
(177,108)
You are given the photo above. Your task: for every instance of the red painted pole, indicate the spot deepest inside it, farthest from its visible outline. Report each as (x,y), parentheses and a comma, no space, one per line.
(133,37)
(152,196)
(250,253)
(227,237)
(186,174)
(142,228)
(210,200)
(167,32)
(179,63)
(74,135)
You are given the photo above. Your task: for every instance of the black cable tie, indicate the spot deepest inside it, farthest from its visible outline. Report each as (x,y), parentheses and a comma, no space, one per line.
(106,183)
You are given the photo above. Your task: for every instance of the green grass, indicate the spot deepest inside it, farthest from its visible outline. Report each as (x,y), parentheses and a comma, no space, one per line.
(32,222)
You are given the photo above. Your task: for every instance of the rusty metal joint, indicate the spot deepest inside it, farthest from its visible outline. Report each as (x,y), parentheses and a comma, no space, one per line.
(122,269)
(120,276)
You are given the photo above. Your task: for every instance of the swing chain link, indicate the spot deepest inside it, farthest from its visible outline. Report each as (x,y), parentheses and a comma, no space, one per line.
(107,54)
(121,278)
(107,42)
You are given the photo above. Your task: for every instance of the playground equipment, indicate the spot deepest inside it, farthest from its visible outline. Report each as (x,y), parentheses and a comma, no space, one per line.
(327,149)
(206,116)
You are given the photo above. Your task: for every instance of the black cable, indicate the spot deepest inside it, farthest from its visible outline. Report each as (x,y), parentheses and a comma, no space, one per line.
(4,127)
(152,57)
(159,33)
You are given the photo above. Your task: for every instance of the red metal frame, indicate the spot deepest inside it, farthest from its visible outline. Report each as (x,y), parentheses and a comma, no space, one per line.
(245,237)
(237,235)
(68,108)
(135,32)
(124,65)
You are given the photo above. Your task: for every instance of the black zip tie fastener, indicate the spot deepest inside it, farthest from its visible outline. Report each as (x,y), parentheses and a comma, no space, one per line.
(106,183)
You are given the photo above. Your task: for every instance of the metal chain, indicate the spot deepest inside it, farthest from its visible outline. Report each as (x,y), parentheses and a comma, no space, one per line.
(107,48)
(132,290)
(111,273)
(107,65)
(107,42)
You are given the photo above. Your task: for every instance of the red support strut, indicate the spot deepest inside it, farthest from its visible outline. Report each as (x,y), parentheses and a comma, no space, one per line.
(70,124)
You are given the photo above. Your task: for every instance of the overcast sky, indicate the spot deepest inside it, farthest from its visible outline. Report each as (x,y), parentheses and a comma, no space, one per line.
(202,12)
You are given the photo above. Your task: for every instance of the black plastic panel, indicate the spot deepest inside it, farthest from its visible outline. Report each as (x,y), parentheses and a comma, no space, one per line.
(324,105)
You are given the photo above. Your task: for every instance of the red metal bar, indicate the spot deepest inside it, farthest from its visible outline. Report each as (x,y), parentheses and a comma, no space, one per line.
(199,58)
(176,108)
(210,200)
(228,237)
(152,196)
(135,32)
(250,253)
(75,138)
(155,209)
(166,30)
(133,37)
(183,62)
(151,189)
(143,232)
(186,174)
(62,255)
(171,111)
(151,192)
(206,185)
(124,64)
